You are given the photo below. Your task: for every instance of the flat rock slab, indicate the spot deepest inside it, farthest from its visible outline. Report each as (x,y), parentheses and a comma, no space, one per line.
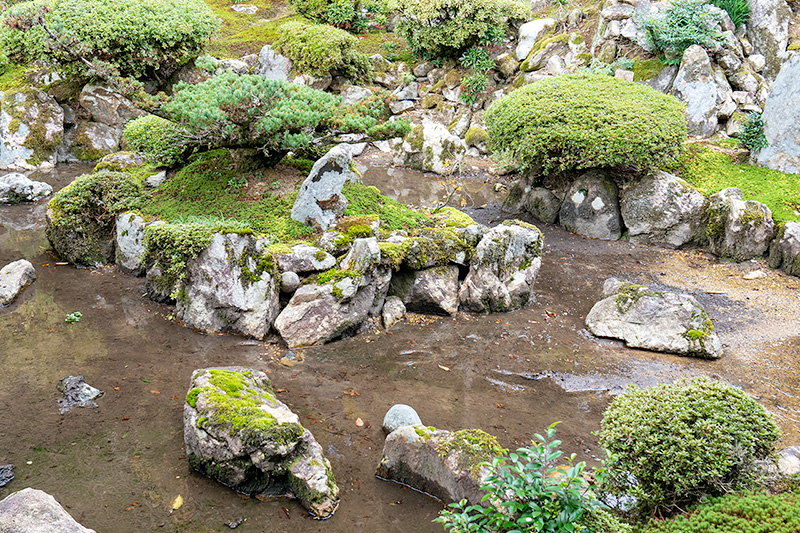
(34,511)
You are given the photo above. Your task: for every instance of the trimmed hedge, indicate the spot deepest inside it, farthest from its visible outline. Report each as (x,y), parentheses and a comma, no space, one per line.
(580,121)
(678,443)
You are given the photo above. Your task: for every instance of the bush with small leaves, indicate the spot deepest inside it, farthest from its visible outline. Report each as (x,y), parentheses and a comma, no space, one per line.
(352,15)
(675,444)
(682,24)
(318,49)
(585,121)
(752,134)
(141,38)
(156,138)
(447,28)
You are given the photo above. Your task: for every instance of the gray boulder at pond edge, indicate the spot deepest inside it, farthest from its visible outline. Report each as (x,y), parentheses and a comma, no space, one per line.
(34,511)
(738,229)
(239,434)
(504,268)
(400,415)
(320,201)
(784,251)
(129,252)
(31,129)
(441,463)
(230,287)
(16,188)
(663,210)
(659,321)
(430,147)
(14,277)
(782,121)
(591,207)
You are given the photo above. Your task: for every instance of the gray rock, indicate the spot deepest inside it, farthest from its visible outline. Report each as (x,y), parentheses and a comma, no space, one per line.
(266,454)
(106,106)
(659,321)
(228,288)
(393,311)
(757,62)
(782,122)
(738,229)
(363,257)
(320,201)
(304,258)
(272,65)
(16,188)
(290,282)
(154,180)
(529,33)
(407,92)
(789,460)
(90,141)
(129,251)
(617,12)
(77,393)
(663,210)
(319,83)
(430,147)
(695,85)
(412,455)
(768,30)
(401,106)
(542,204)
(663,82)
(29,116)
(591,207)
(249,9)
(504,268)
(320,313)
(234,65)
(354,94)
(14,277)
(34,511)
(400,415)
(784,251)
(433,290)
(506,65)
(6,474)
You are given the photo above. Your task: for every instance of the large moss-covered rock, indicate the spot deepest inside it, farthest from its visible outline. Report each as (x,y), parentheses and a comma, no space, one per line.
(445,464)
(738,229)
(430,147)
(654,320)
(31,129)
(238,433)
(504,268)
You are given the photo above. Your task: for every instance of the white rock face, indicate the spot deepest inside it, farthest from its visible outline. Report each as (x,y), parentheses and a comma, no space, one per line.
(129,251)
(34,511)
(272,65)
(14,277)
(782,121)
(226,289)
(529,33)
(16,188)
(320,201)
(430,147)
(304,258)
(659,321)
(31,129)
(696,86)
(738,229)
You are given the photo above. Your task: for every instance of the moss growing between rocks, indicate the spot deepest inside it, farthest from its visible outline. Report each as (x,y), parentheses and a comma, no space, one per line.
(647,69)
(473,446)
(630,293)
(434,247)
(363,200)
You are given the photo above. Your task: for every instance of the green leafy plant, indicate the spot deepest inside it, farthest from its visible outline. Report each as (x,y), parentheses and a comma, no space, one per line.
(472,87)
(477,58)
(738,10)
(597,66)
(675,444)
(446,28)
(352,15)
(585,121)
(683,24)
(73,318)
(156,138)
(752,134)
(527,491)
(318,49)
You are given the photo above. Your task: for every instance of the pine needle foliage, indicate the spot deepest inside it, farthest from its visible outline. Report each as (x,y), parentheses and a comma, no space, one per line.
(683,24)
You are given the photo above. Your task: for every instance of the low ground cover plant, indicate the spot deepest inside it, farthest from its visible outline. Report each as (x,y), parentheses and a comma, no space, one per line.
(682,24)
(580,121)
(351,15)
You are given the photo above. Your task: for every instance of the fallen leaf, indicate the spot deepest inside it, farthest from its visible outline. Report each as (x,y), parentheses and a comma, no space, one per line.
(116,388)
(445,368)
(499,405)
(154,392)
(359,422)
(146,380)
(177,502)
(281,390)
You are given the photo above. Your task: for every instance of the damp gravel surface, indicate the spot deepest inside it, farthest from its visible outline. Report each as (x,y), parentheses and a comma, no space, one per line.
(119,467)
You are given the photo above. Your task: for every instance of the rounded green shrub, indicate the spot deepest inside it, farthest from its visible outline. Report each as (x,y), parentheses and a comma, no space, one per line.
(137,38)
(675,444)
(318,49)
(447,28)
(580,121)
(351,15)
(156,138)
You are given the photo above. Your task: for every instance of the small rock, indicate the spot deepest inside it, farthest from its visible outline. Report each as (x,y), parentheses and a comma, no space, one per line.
(789,460)
(16,188)
(6,474)
(154,180)
(14,277)
(34,511)
(393,311)
(290,282)
(401,106)
(400,415)
(755,274)
(77,393)
(248,9)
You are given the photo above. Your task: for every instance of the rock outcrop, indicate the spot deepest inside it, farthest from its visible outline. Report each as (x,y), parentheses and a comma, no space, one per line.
(782,122)
(16,188)
(696,86)
(14,277)
(31,129)
(320,201)
(430,147)
(738,229)
(239,434)
(441,463)
(654,320)
(34,511)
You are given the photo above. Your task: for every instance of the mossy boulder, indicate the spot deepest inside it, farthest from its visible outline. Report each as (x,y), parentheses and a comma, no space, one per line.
(239,434)
(738,229)
(430,147)
(654,320)
(31,129)
(784,252)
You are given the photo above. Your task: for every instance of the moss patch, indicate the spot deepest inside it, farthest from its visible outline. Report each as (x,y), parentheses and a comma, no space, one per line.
(473,447)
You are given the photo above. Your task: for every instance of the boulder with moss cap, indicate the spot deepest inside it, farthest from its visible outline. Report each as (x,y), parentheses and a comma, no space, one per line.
(445,464)
(738,229)
(654,320)
(504,268)
(239,434)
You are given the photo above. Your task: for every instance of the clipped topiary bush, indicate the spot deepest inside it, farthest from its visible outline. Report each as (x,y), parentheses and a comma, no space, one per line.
(318,49)
(447,28)
(137,38)
(156,138)
(677,443)
(580,121)
(682,24)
